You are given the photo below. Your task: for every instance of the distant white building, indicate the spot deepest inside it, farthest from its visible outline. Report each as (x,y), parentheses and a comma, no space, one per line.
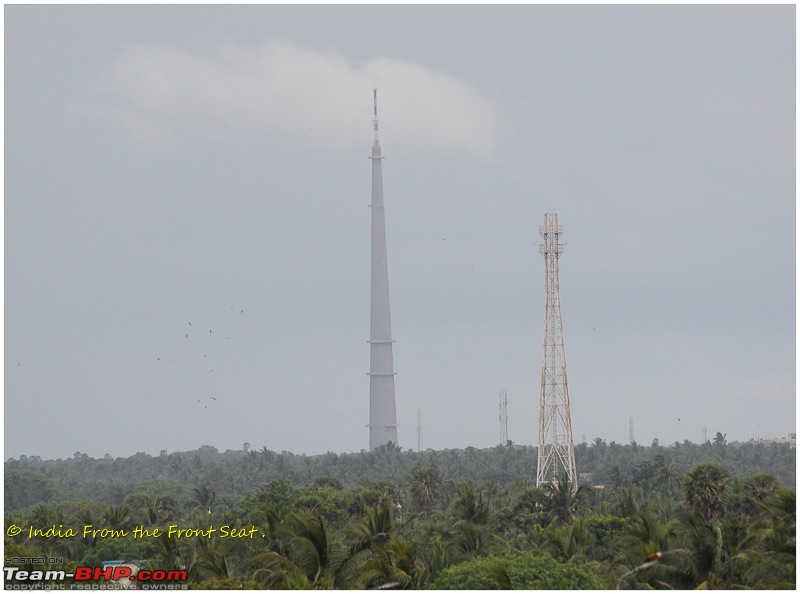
(791,441)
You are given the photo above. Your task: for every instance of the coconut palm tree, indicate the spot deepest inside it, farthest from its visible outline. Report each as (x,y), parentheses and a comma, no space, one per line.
(468,539)
(776,566)
(303,558)
(665,474)
(394,565)
(117,517)
(616,479)
(528,509)
(692,564)
(470,506)
(373,530)
(168,553)
(152,510)
(437,555)
(210,557)
(565,500)
(629,501)
(569,541)
(376,526)
(204,498)
(645,535)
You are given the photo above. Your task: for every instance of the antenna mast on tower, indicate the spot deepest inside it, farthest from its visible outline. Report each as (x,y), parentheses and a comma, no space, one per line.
(556,449)
(503,417)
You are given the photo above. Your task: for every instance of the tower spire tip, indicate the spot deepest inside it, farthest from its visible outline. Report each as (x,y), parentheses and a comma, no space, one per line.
(375,113)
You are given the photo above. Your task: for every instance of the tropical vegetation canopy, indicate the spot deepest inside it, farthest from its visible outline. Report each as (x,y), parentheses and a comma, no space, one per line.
(714,515)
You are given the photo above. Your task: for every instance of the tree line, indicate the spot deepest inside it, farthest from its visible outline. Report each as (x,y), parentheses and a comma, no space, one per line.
(30,480)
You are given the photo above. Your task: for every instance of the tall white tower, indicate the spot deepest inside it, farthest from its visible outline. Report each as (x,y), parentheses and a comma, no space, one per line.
(556,449)
(382,411)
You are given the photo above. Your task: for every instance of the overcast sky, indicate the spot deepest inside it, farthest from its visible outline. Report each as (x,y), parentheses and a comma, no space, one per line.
(187,232)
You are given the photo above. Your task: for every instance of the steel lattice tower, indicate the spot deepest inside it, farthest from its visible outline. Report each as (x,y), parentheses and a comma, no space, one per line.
(556,450)
(382,411)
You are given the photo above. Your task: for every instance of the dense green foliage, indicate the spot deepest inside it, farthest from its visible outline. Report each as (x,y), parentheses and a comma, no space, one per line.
(516,572)
(683,516)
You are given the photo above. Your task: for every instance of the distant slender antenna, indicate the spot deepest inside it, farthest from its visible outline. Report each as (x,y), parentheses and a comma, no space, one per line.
(705,434)
(503,417)
(419,429)
(630,431)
